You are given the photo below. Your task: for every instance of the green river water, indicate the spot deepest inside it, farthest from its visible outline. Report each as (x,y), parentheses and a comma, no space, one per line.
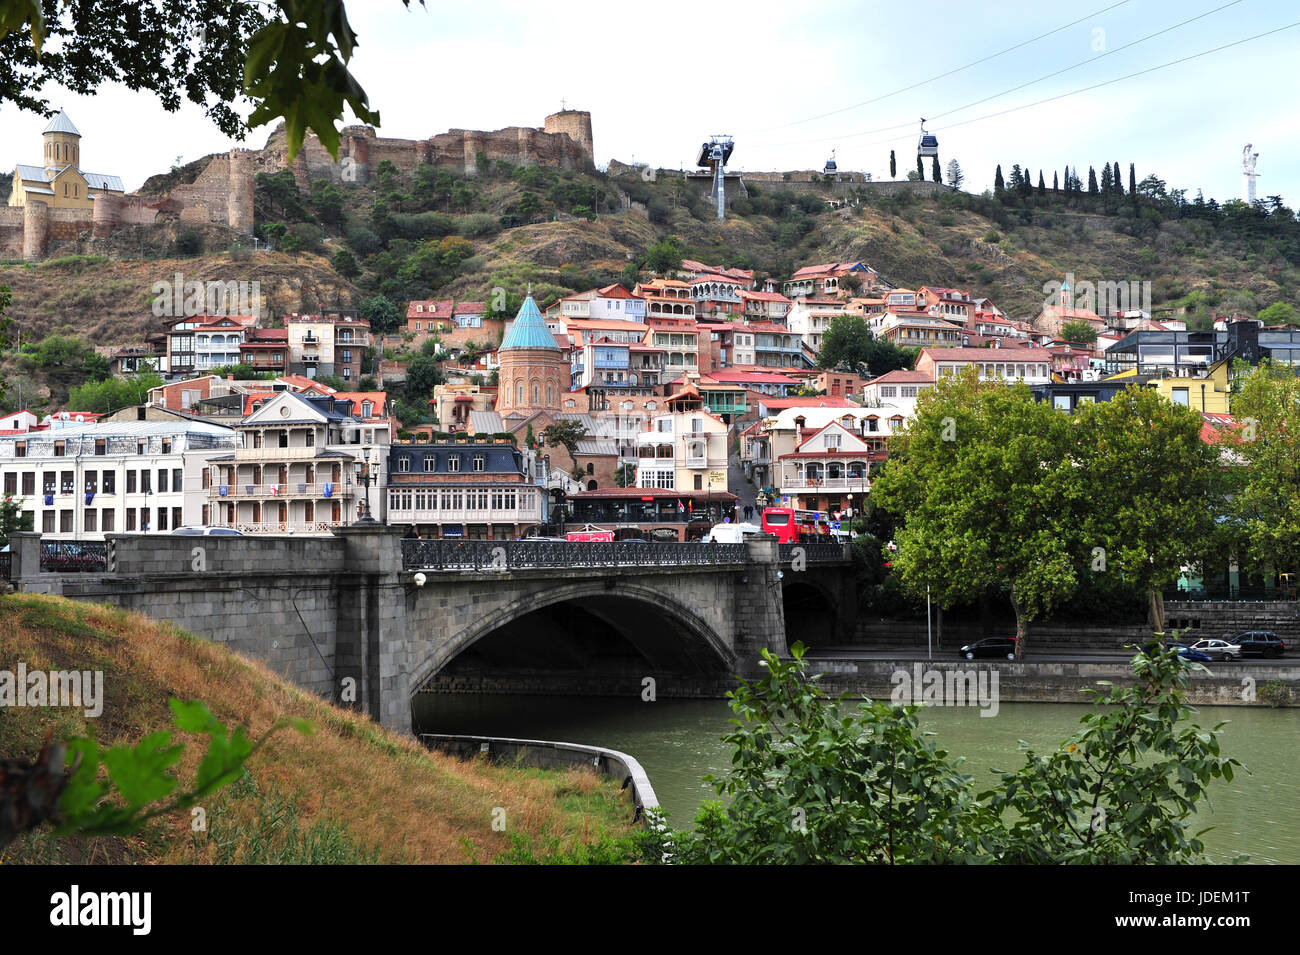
(678,741)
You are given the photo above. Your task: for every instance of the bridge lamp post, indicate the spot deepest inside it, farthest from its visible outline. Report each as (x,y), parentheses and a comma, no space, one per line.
(369,475)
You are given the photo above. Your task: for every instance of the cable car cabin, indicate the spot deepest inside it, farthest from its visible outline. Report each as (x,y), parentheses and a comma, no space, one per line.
(928,144)
(830,169)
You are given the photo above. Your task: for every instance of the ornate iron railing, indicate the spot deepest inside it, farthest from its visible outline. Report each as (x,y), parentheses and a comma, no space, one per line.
(502,556)
(817,551)
(62,557)
(5,565)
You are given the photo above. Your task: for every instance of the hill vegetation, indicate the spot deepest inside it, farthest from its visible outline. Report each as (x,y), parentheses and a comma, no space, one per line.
(350,792)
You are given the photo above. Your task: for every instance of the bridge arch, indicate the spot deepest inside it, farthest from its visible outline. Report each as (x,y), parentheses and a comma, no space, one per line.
(811,609)
(709,648)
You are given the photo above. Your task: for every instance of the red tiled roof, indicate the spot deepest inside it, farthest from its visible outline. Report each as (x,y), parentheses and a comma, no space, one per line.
(438,308)
(820,401)
(902,376)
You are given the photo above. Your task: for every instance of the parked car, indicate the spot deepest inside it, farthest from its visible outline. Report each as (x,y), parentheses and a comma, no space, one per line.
(208,532)
(1187,653)
(990,647)
(1260,643)
(1218,649)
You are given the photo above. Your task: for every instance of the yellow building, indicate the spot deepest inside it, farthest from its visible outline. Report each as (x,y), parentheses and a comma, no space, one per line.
(1208,392)
(60,182)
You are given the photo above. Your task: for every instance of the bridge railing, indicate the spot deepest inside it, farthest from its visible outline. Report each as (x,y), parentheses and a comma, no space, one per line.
(501,556)
(816,551)
(74,556)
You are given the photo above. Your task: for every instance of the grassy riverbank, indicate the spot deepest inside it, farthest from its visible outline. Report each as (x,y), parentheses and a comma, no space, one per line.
(350,792)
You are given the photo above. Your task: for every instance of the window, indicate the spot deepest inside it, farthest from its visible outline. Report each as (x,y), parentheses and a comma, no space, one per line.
(20,449)
(1180,396)
(60,449)
(106,520)
(11,483)
(831,441)
(162,518)
(453,462)
(130,518)
(65,482)
(309,437)
(162,480)
(92,484)
(47,522)
(430,462)
(404,463)
(178,480)
(1061,402)
(29,483)
(145,483)
(478,462)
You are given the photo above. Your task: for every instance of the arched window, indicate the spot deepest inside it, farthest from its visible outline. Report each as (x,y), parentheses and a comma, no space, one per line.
(591,485)
(536,394)
(591,468)
(521,395)
(550,397)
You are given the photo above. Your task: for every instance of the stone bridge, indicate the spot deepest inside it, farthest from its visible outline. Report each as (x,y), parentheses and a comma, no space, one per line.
(365,618)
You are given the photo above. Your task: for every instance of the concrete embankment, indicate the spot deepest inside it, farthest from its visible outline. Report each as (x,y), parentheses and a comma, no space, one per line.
(1241,683)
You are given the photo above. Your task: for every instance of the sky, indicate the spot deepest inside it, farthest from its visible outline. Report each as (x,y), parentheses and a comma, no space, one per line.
(661,78)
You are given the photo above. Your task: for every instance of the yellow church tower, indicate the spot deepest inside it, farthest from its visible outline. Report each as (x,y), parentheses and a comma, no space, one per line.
(59,181)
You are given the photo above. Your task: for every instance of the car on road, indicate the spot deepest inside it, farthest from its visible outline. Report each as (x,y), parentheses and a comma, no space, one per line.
(1261,643)
(1220,650)
(208,532)
(990,647)
(1187,653)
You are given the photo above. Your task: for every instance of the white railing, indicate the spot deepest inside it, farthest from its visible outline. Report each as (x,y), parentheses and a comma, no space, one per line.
(271,454)
(284,527)
(449,516)
(287,489)
(798,482)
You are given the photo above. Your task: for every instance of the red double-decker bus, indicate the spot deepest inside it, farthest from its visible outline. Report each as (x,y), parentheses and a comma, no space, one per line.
(780,522)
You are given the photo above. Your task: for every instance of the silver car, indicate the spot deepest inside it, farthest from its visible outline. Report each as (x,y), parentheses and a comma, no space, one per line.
(1219,650)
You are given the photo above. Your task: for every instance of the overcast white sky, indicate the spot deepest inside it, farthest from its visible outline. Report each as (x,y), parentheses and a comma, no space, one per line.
(660,78)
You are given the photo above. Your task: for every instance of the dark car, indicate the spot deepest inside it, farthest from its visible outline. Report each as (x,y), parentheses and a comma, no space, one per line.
(1259,643)
(1187,653)
(990,647)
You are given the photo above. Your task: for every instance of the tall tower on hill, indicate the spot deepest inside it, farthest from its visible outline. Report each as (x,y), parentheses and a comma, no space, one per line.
(575,122)
(533,373)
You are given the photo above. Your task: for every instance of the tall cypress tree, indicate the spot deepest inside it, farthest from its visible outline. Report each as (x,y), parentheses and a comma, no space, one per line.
(934,169)
(1132,180)
(1026,183)
(920,168)
(1042,186)
(1056,182)
(893,166)
(1107,183)
(1117,180)
(999,186)
(1092,181)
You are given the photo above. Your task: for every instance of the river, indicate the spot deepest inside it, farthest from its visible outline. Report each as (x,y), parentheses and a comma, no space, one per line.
(678,741)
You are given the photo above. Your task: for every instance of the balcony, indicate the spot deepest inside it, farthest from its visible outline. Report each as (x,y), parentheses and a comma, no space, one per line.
(286,491)
(797,482)
(283,527)
(517,515)
(310,359)
(270,454)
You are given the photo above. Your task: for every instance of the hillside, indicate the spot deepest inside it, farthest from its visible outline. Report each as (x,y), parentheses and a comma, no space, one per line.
(435,233)
(352,792)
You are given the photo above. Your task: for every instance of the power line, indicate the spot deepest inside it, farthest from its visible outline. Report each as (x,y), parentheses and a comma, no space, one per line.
(1092,59)
(1127,76)
(991,56)
(1047,76)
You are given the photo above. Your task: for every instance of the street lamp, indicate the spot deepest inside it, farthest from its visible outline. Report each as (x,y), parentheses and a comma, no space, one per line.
(369,475)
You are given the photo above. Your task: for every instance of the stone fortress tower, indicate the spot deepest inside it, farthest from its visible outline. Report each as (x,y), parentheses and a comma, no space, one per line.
(575,122)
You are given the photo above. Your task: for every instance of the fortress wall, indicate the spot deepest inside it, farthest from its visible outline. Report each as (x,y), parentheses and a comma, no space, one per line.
(136,210)
(11,232)
(65,225)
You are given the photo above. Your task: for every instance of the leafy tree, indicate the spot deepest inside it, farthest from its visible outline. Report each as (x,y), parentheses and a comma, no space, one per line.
(625,475)
(12,519)
(345,263)
(665,256)
(114,393)
(818,780)
(381,313)
(849,344)
(1264,504)
(1148,501)
(327,200)
(276,196)
(893,166)
(422,374)
(565,433)
(1079,332)
(981,482)
(5,297)
(1279,313)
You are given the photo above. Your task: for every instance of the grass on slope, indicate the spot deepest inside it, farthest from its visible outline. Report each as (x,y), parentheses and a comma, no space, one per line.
(351,792)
